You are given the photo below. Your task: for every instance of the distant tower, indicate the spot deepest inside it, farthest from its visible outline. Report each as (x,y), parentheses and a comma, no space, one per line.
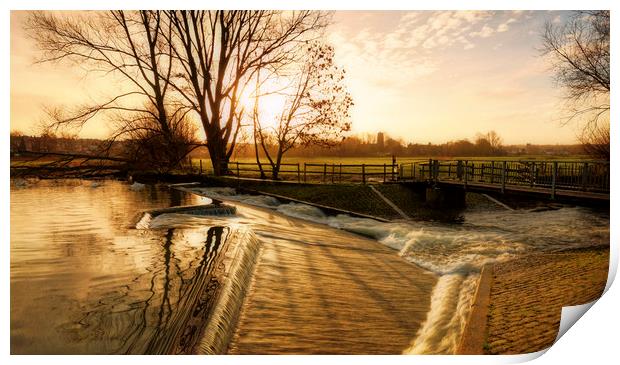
(380,140)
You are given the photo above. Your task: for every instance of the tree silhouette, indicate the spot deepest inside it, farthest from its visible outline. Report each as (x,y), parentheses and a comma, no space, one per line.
(316,111)
(580,53)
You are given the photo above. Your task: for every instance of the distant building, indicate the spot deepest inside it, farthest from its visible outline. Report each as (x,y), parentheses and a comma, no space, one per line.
(380,140)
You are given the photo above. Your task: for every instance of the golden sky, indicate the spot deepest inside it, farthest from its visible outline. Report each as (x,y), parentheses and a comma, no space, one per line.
(422,76)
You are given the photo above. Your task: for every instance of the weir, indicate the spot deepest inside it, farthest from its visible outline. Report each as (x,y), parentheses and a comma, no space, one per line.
(212,305)
(239,263)
(259,280)
(325,291)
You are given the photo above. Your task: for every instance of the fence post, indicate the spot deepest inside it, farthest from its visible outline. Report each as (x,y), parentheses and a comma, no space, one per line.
(238,175)
(584,177)
(324,172)
(606,178)
(340,173)
(466,172)
(363,173)
(492,172)
(384,172)
(554,179)
(430,169)
(298,174)
(395,172)
(200,166)
(503,177)
(305,177)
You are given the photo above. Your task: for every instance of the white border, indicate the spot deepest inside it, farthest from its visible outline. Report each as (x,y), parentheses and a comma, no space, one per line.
(594,337)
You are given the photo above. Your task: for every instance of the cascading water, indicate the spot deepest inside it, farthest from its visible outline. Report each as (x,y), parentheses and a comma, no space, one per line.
(82,277)
(455,252)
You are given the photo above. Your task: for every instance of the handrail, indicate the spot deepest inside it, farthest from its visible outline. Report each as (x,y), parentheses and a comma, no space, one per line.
(584,175)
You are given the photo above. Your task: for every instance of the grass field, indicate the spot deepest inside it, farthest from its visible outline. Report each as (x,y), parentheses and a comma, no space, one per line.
(342,169)
(388,159)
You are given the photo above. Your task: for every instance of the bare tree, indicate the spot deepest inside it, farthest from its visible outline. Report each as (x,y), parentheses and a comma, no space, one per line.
(129,44)
(580,53)
(219,52)
(316,111)
(489,143)
(595,140)
(17,141)
(148,148)
(494,140)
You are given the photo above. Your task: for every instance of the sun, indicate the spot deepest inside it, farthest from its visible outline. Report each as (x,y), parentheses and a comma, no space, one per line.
(271,102)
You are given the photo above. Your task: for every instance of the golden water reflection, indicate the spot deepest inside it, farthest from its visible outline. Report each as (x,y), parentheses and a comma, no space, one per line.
(84,282)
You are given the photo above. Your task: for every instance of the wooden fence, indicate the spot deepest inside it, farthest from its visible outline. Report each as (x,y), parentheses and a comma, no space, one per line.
(591,176)
(326,173)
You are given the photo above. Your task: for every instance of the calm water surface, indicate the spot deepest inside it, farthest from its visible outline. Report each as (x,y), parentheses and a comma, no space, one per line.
(83,281)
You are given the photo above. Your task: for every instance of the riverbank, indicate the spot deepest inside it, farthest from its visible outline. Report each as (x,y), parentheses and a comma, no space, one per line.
(357,198)
(525,297)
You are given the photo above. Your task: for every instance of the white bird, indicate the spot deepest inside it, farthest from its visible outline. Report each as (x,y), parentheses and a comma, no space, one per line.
(136,186)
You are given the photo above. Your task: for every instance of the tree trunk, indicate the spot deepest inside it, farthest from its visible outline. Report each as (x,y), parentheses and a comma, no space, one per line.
(218,159)
(260,166)
(276,166)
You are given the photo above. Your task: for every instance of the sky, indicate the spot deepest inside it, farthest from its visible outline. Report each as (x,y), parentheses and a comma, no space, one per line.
(422,76)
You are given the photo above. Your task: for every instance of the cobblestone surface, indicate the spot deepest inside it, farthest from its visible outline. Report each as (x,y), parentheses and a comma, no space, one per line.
(527,296)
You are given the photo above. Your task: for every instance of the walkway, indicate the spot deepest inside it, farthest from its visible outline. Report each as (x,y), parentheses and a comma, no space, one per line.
(527,296)
(574,180)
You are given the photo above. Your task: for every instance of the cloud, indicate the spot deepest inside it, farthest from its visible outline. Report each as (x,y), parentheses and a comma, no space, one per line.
(468,45)
(441,29)
(505,26)
(485,32)
(403,68)
(404,49)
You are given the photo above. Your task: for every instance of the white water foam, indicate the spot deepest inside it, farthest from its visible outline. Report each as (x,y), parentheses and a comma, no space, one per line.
(144,222)
(303,211)
(446,320)
(230,194)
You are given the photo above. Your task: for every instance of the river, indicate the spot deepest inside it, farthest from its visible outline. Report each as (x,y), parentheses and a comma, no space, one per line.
(85,280)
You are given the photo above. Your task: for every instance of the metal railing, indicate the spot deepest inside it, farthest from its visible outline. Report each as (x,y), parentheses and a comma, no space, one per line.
(592,176)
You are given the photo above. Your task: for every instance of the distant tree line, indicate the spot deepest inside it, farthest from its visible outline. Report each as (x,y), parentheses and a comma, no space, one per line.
(364,145)
(62,143)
